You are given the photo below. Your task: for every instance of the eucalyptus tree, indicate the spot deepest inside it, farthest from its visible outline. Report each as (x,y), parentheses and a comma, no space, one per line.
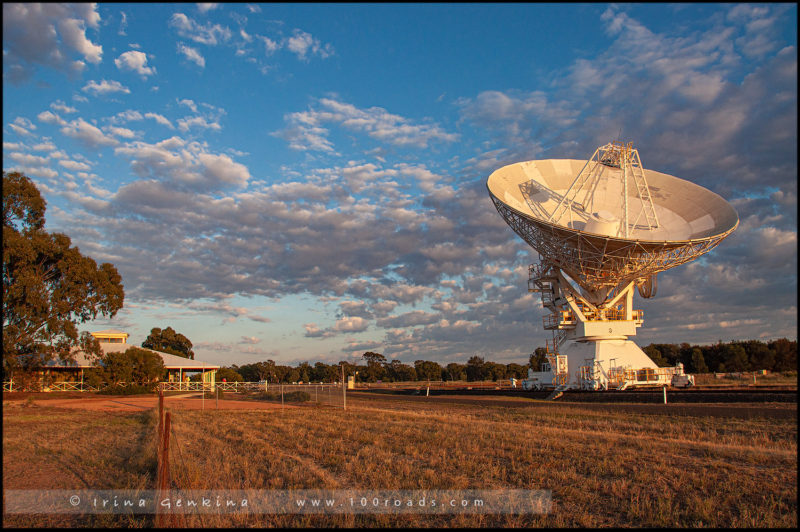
(49,287)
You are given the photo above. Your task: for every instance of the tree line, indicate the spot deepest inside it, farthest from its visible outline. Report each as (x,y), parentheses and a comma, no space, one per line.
(735,356)
(776,355)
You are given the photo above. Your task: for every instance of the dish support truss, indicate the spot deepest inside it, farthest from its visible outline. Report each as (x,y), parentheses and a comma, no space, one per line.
(599,264)
(612,155)
(599,355)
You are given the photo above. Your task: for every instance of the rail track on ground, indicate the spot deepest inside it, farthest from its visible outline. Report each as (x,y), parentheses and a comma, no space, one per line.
(780,405)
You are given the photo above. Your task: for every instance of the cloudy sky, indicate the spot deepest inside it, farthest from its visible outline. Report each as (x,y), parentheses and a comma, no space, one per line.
(308,182)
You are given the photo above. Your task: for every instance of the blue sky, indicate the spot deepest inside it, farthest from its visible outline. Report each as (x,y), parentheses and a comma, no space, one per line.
(307,182)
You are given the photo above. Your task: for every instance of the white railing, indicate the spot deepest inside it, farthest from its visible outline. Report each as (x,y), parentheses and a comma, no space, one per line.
(65,386)
(239,386)
(72,387)
(185,386)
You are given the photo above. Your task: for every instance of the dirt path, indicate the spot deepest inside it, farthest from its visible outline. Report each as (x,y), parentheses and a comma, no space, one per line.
(137,403)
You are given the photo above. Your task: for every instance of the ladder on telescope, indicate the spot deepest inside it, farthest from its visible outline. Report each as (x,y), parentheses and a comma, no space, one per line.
(591,170)
(637,172)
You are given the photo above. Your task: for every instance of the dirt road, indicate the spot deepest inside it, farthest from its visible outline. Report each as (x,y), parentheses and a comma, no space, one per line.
(135,403)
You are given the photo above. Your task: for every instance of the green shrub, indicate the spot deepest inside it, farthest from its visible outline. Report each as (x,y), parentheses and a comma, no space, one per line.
(297,397)
(213,395)
(267,396)
(288,397)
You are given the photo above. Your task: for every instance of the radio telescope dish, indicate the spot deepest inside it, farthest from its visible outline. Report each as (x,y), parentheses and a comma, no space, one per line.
(609,224)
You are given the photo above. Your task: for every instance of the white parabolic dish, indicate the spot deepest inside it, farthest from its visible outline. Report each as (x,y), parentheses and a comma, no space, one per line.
(585,240)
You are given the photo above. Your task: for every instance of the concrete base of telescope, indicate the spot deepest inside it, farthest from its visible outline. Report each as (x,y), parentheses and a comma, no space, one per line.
(603,356)
(600,364)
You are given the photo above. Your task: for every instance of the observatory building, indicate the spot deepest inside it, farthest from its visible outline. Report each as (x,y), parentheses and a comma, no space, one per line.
(603,228)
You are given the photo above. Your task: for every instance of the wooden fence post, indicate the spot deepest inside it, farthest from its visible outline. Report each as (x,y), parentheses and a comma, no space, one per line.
(163,474)
(160,414)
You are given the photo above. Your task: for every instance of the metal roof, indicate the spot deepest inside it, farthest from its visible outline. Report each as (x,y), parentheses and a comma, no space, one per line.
(110,331)
(83,361)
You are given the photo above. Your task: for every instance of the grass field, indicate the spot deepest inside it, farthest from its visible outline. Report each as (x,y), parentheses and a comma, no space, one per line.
(603,468)
(786,378)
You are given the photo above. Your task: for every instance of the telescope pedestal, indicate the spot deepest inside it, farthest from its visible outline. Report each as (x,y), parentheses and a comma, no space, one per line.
(599,364)
(593,328)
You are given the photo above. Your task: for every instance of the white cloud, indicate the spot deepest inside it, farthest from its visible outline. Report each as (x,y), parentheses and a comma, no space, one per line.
(58,105)
(128,115)
(186,164)
(123,23)
(184,124)
(120,132)
(88,134)
(73,33)
(305,132)
(74,165)
(351,324)
(188,103)
(44,146)
(204,7)
(210,34)
(50,118)
(105,87)
(270,46)
(192,55)
(221,168)
(160,119)
(48,35)
(22,126)
(302,43)
(135,61)
(28,159)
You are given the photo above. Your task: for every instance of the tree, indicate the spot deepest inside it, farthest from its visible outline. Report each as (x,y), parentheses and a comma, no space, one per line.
(319,372)
(259,371)
(48,286)
(735,358)
(655,355)
(169,341)
(229,374)
(785,354)
(759,355)
(375,370)
(456,371)
(516,371)
(476,369)
(133,366)
(537,358)
(494,371)
(698,362)
(399,372)
(427,370)
(305,371)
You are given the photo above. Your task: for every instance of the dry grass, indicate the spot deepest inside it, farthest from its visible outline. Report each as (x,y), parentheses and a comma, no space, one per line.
(603,468)
(787,378)
(51,448)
